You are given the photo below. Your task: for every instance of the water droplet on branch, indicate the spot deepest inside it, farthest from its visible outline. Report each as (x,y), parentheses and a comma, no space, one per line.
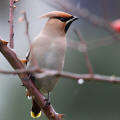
(81,81)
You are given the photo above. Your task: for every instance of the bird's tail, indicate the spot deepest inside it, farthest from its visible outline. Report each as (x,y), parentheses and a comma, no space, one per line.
(36,110)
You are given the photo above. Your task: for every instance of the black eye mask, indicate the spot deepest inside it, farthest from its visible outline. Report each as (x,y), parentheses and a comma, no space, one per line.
(64,19)
(68,21)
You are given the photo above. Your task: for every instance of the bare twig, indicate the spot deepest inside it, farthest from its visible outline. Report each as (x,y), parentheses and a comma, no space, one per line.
(105,41)
(88,63)
(18,71)
(27,27)
(73,76)
(11,16)
(35,63)
(105,9)
(108,40)
(27,82)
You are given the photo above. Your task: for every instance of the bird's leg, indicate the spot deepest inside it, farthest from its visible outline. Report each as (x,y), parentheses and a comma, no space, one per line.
(47,100)
(28,95)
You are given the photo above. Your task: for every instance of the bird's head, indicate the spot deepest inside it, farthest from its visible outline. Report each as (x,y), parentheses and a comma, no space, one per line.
(60,19)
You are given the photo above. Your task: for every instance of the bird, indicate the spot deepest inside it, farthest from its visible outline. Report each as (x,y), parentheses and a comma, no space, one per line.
(48,49)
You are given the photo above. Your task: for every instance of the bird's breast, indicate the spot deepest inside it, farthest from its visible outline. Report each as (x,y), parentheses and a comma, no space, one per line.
(53,58)
(50,54)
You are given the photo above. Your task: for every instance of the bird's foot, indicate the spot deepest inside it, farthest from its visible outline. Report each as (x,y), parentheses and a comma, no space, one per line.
(47,102)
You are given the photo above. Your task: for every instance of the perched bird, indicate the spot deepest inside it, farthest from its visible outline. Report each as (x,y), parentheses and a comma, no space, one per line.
(48,49)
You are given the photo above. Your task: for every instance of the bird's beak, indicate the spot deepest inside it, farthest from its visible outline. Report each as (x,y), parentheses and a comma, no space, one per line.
(69,22)
(74,18)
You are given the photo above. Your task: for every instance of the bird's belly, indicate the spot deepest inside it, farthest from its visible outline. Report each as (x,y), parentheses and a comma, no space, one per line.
(50,60)
(46,84)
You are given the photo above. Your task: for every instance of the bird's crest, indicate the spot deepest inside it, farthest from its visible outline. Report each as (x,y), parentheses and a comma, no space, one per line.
(56,14)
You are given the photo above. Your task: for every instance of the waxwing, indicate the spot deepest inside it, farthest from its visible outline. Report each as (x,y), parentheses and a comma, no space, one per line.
(48,49)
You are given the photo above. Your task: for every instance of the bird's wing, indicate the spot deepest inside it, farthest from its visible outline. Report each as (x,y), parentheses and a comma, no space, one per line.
(27,56)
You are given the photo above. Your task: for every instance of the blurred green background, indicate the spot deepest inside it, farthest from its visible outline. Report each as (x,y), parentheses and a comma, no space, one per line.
(89,101)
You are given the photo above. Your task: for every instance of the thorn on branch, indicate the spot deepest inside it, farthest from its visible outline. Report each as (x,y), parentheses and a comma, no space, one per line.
(3,42)
(61,116)
(8,21)
(15,1)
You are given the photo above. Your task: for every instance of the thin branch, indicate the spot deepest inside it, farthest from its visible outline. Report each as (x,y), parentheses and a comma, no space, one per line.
(102,42)
(27,82)
(91,44)
(88,63)
(11,17)
(105,9)
(19,71)
(26,26)
(35,63)
(73,76)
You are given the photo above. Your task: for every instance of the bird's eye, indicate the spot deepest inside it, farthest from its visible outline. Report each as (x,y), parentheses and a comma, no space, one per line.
(64,19)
